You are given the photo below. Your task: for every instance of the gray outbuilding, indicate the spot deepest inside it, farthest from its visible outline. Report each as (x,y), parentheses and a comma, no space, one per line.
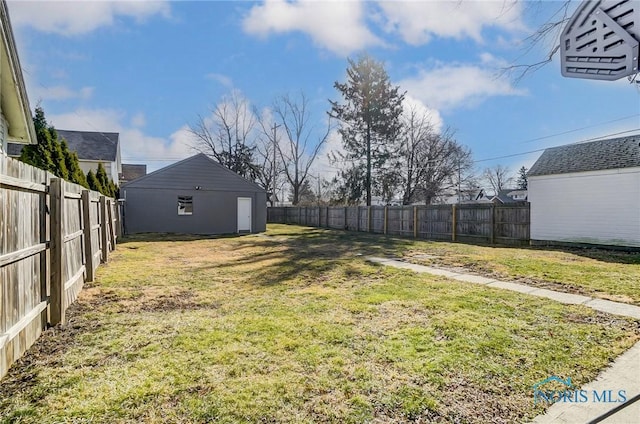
(194,196)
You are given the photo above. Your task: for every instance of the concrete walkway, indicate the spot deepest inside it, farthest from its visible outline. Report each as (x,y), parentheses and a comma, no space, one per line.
(623,374)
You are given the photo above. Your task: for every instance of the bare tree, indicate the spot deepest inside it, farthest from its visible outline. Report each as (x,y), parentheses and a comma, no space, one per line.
(429,163)
(269,162)
(498,177)
(300,146)
(546,35)
(229,135)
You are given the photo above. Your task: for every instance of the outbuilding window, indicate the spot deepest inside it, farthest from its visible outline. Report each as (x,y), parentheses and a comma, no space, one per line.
(185,205)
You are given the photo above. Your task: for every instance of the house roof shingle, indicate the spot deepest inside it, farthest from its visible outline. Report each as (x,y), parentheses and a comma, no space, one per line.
(132,171)
(613,153)
(92,145)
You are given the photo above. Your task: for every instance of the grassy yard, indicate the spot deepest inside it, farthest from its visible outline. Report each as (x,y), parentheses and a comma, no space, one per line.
(613,275)
(295,326)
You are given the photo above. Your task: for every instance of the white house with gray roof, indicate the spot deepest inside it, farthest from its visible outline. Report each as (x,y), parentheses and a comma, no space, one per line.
(587,193)
(93,148)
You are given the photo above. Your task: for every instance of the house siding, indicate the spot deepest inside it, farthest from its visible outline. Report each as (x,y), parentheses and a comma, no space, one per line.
(597,207)
(110,167)
(214,212)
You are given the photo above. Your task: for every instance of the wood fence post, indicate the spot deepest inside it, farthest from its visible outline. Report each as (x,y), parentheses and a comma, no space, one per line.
(492,237)
(103,229)
(45,237)
(346,223)
(88,246)
(118,220)
(368,219)
(386,218)
(112,230)
(415,222)
(56,301)
(319,218)
(358,218)
(326,217)
(453,222)
(299,215)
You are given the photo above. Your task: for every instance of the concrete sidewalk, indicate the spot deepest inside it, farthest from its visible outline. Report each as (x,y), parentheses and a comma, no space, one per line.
(623,374)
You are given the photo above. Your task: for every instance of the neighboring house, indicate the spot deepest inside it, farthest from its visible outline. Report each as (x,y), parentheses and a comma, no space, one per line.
(16,124)
(131,172)
(470,196)
(92,148)
(510,195)
(587,193)
(194,196)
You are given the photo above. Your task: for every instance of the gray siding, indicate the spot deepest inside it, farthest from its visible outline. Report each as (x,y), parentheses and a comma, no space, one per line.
(151,201)
(214,212)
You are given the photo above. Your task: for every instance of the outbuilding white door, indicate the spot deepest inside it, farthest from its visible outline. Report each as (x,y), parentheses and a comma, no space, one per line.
(244,214)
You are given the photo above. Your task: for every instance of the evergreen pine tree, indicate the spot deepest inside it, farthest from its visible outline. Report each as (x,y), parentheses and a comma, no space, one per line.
(52,154)
(369,122)
(39,155)
(73,165)
(104,181)
(58,157)
(93,182)
(522,178)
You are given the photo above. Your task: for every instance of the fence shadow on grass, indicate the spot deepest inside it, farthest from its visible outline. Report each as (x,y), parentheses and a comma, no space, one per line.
(164,237)
(287,255)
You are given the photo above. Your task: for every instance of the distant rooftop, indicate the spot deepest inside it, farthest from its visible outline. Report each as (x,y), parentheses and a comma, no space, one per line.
(92,145)
(612,153)
(132,171)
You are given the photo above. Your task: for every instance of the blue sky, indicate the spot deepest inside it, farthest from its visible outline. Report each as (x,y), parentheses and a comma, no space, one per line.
(149,69)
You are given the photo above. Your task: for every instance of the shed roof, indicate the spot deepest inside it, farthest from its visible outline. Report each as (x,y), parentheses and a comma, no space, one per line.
(196,171)
(612,153)
(92,145)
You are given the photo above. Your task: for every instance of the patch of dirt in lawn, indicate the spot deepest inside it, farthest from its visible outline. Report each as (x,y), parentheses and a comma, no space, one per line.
(48,351)
(467,403)
(152,299)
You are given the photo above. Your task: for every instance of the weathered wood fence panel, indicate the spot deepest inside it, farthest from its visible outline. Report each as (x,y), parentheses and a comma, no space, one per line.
(47,232)
(475,223)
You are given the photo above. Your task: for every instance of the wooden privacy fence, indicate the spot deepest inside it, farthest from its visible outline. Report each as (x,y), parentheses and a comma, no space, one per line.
(53,236)
(482,223)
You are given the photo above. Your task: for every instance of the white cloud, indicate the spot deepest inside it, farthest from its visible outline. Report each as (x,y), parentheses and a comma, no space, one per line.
(458,85)
(435,118)
(138,120)
(338,26)
(135,145)
(221,79)
(418,21)
(59,92)
(81,17)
